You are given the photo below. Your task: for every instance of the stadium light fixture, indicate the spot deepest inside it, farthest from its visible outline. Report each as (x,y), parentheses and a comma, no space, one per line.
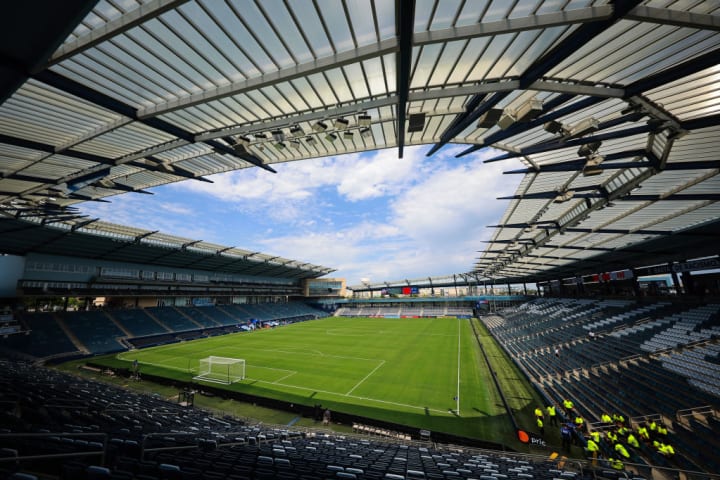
(280,146)
(589,148)
(296,131)
(366,132)
(586,126)
(555,127)
(310,140)
(564,196)
(489,118)
(506,120)
(294,144)
(331,137)
(242,140)
(529,110)
(260,136)
(348,135)
(364,120)
(278,135)
(320,127)
(341,123)
(592,166)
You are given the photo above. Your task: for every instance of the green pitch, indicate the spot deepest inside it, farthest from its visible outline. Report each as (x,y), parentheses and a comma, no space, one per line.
(422,372)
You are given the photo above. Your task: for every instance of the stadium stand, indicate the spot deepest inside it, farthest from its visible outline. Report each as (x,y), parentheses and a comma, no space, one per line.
(137,322)
(648,360)
(92,430)
(44,337)
(173,319)
(95,330)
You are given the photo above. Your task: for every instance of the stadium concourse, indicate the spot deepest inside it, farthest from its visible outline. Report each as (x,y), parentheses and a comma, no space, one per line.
(610,109)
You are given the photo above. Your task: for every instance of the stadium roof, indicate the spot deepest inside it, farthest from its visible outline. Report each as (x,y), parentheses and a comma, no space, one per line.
(611,106)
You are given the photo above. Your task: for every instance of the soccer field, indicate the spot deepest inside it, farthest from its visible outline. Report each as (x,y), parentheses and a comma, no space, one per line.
(423,372)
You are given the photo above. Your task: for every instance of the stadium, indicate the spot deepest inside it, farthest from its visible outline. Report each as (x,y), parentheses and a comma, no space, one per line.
(581,340)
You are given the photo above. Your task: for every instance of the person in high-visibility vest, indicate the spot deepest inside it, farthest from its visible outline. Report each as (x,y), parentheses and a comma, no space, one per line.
(620,448)
(568,405)
(592,446)
(580,424)
(666,449)
(652,427)
(538,412)
(611,436)
(618,418)
(632,441)
(643,432)
(595,435)
(541,426)
(552,414)
(616,463)
(661,430)
(605,418)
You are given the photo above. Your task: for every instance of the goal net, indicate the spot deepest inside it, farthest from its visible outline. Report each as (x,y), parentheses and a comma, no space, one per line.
(221,370)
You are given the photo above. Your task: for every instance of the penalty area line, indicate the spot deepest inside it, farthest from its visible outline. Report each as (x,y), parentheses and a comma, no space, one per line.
(382,362)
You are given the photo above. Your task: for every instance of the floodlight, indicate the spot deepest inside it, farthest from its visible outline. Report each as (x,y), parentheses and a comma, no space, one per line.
(320,127)
(364,120)
(341,123)
(564,196)
(416,122)
(242,140)
(294,144)
(310,140)
(589,148)
(592,166)
(366,133)
(260,136)
(280,146)
(296,131)
(586,126)
(348,135)
(331,137)
(554,127)
(278,135)
(529,110)
(489,118)
(506,120)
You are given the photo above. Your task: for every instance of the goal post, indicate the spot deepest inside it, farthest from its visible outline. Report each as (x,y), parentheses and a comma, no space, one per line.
(223,370)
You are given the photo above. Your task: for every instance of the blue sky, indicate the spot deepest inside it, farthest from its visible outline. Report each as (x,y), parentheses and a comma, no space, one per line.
(368,215)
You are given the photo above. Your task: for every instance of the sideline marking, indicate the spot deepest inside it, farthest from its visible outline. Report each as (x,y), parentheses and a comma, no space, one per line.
(457,395)
(444,412)
(382,362)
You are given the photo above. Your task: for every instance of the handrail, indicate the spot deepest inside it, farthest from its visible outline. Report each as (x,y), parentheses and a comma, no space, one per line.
(19,458)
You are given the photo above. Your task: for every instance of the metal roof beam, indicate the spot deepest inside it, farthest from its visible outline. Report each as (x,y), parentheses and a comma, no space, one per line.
(115,27)
(512,25)
(577,165)
(404,22)
(257,83)
(72,87)
(669,16)
(672,74)
(574,42)
(466,119)
(514,129)
(559,144)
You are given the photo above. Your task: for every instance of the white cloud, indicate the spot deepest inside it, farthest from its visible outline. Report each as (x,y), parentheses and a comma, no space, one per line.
(368,215)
